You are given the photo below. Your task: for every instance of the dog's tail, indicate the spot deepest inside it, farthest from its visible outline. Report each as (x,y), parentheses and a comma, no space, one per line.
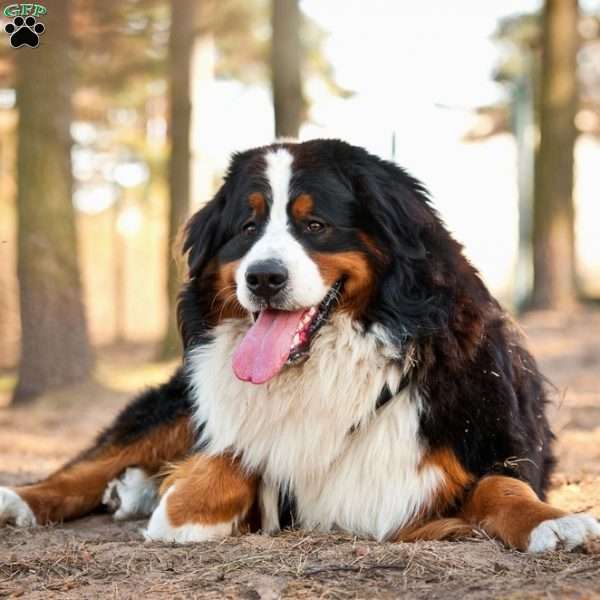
(440,529)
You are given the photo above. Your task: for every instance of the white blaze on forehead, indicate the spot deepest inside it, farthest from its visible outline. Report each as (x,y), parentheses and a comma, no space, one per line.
(279,175)
(305,285)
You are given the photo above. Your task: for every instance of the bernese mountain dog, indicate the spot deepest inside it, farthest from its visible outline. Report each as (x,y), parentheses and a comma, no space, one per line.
(345,368)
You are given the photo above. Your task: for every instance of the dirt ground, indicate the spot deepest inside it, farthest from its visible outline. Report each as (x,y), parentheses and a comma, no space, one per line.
(94,557)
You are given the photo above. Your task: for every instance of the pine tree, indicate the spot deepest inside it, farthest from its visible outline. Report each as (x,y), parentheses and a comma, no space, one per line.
(180,59)
(286,67)
(553,219)
(55,347)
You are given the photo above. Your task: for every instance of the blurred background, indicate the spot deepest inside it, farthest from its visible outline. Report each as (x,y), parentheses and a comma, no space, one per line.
(121,122)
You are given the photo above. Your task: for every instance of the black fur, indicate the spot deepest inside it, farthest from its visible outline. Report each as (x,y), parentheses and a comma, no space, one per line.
(288,513)
(155,407)
(158,406)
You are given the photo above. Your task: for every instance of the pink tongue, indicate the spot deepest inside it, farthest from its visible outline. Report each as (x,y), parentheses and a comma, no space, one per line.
(266,347)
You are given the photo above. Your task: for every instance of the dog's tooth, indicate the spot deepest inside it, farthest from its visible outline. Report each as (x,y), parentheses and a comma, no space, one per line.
(296,339)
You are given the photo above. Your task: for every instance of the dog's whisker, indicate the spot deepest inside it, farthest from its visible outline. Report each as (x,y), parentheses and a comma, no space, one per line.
(221,292)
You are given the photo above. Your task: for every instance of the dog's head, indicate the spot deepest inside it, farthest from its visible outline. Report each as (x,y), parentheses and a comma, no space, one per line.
(299,231)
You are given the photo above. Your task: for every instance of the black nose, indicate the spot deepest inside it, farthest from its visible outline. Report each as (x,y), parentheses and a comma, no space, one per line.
(266,278)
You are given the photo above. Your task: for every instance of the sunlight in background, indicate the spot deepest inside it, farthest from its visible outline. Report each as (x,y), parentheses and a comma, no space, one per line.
(417,70)
(129,221)
(587,194)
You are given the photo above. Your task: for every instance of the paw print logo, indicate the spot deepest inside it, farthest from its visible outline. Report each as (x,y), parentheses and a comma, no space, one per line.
(24,32)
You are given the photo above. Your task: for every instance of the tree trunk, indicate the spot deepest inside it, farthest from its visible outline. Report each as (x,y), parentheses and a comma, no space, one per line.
(181,43)
(286,65)
(55,349)
(553,229)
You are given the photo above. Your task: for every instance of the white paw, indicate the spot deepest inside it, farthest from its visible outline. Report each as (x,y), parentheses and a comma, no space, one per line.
(14,510)
(160,528)
(569,532)
(132,495)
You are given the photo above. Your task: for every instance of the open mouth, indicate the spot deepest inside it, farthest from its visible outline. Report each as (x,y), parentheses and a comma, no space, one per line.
(312,320)
(278,338)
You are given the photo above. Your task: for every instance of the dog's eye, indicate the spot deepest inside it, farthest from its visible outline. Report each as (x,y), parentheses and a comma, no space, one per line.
(249,228)
(315,226)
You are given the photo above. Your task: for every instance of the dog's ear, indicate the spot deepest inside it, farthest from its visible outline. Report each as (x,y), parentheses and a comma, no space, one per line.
(398,207)
(203,233)
(398,216)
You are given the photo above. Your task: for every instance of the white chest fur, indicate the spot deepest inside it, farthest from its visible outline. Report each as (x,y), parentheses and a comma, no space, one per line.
(296,429)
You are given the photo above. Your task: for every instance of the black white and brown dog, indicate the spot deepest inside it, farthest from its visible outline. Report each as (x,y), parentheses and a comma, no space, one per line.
(344,368)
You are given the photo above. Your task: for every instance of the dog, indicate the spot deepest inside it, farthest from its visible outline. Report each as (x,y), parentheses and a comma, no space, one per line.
(345,368)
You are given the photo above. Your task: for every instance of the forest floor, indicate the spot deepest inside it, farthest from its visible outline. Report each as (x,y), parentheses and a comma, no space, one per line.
(95,557)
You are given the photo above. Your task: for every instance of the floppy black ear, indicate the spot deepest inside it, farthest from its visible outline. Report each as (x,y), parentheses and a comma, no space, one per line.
(203,234)
(397,212)
(398,207)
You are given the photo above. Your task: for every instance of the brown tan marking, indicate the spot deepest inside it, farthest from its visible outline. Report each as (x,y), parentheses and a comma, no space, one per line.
(257,201)
(77,488)
(503,507)
(455,481)
(437,524)
(358,275)
(225,304)
(209,490)
(508,509)
(439,529)
(372,246)
(302,207)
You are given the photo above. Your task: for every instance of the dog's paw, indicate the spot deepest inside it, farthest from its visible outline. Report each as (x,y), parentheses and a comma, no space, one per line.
(14,510)
(132,495)
(160,527)
(569,532)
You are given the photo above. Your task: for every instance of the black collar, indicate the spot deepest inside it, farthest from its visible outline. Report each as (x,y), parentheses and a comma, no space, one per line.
(385,395)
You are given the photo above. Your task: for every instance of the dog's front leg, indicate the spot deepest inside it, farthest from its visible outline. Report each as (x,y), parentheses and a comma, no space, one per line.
(203,498)
(510,510)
